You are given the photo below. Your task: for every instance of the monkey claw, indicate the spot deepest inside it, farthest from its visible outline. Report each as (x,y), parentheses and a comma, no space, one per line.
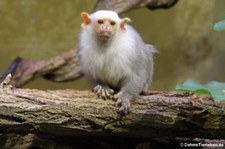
(103,92)
(124,106)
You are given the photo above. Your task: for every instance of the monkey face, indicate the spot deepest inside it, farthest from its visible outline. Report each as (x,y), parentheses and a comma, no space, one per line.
(105,29)
(105,24)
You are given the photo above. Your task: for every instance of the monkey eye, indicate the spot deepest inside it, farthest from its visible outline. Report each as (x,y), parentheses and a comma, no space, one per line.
(112,23)
(100,21)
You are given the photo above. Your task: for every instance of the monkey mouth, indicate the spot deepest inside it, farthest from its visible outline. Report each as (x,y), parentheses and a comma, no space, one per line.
(104,36)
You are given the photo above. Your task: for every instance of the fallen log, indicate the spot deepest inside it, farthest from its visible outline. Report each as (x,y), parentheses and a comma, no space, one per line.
(71,112)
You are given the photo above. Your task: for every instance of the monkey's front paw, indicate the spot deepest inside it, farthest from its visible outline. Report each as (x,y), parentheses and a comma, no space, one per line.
(103,92)
(124,106)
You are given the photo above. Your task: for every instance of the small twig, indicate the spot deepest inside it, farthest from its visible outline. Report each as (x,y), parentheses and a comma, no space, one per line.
(6,83)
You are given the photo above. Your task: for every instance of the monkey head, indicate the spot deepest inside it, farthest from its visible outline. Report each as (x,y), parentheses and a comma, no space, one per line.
(103,24)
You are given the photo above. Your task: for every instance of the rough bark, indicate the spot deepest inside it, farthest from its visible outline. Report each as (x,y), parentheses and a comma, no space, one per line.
(70,112)
(65,67)
(78,119)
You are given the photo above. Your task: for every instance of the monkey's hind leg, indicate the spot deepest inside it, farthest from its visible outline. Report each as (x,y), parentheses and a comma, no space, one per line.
(103,92)
(123,102)
(145,89)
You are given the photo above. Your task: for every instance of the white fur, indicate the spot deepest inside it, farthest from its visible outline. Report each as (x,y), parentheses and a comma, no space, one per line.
(124,57)
(105,14)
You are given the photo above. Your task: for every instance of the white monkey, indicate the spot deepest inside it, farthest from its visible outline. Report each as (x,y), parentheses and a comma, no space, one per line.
(114,58)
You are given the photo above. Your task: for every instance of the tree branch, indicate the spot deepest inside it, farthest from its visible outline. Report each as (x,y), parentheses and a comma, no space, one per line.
(64,68)
(121,6)
(30,117)
(155,115)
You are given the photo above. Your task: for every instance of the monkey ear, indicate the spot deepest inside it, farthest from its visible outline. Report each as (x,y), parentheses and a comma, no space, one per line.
(86,19)
(123,22)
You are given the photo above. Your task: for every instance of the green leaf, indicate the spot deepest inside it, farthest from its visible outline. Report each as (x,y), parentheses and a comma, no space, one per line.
(215,89)
(219,26)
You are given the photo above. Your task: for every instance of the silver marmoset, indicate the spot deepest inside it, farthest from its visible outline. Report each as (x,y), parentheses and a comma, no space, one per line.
(114,58)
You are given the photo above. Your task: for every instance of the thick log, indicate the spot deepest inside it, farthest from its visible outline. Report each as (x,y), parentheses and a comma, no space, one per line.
(65,67)
(71,112)
(32,118)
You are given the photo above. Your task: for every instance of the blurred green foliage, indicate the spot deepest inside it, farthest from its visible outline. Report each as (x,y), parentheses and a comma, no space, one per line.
(219,26)
(215,89)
